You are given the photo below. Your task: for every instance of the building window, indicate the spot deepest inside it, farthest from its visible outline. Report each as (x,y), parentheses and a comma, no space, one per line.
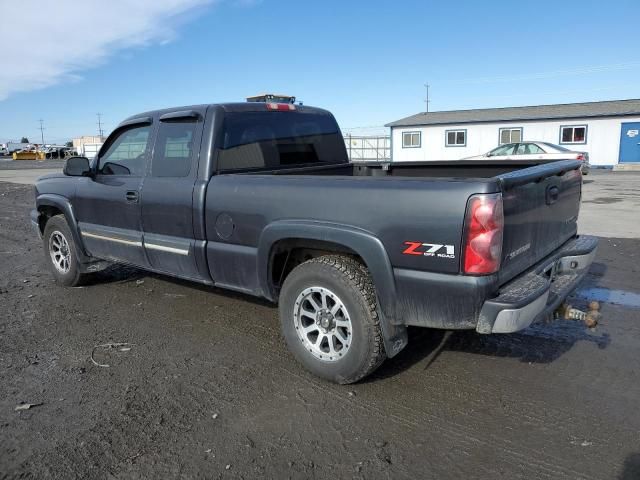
(455,138)
(411,139)
(573,134)
(510,135)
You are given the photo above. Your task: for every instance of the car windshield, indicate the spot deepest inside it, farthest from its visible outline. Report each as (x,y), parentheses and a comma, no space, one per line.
(503,150)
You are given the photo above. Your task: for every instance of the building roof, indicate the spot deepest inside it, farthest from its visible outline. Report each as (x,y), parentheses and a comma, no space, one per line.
(611,108)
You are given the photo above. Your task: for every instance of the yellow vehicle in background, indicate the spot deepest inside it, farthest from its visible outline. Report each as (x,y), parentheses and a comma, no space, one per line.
(28,155)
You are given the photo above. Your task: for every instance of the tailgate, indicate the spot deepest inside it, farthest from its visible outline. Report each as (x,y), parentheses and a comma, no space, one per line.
(541,206)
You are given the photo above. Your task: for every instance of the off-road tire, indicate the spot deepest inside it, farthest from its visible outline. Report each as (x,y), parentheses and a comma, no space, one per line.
(351,282)
(73,277)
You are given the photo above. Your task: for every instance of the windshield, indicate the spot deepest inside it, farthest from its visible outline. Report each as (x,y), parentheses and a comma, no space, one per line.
(267,140)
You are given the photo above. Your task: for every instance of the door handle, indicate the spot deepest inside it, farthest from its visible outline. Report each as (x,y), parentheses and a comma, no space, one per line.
(132,196)
(552,195)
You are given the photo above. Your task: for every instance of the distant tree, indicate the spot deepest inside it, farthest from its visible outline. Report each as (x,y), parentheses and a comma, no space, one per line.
(24,140)
(68,144)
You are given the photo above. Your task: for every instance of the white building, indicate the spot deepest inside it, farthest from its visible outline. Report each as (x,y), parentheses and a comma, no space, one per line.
(609,131)
(88,145)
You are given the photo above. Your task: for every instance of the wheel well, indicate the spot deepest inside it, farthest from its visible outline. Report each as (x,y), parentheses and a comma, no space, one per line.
(288,254)
(46,212)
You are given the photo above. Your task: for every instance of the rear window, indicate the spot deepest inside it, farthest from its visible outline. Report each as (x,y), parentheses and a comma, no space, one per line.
(557,147)
(271,140)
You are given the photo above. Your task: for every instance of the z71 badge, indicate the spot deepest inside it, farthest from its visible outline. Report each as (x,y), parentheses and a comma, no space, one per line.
(429,250)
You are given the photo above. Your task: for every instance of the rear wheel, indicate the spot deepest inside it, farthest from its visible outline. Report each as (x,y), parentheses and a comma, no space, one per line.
(61,252)
(329,318)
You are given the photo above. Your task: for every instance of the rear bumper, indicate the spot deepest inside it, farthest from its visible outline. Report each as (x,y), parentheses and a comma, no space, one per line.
(540,291)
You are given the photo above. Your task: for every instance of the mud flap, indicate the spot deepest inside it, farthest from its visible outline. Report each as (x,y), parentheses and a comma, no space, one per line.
(395,336)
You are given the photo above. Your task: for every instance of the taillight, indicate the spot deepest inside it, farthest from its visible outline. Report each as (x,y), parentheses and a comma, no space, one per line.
(484,225)
(580,157)
(282,107)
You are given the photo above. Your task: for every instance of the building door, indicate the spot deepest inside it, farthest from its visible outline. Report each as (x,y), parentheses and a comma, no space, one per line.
(630,143)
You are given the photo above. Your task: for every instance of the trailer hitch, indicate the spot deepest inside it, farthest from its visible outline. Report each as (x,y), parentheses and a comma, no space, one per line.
(590,318)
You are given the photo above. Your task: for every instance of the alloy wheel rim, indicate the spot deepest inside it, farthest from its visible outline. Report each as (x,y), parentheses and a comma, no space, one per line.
(323,324)
(60,252)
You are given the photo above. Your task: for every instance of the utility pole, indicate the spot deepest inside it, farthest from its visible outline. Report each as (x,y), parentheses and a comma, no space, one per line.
(99,124)
(42,131)
(426,101)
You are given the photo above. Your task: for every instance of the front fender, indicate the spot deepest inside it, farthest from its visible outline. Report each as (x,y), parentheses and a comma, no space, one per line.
(366,245)
(63,204)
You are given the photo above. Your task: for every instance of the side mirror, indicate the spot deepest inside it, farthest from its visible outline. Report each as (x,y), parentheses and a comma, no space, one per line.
(76,167)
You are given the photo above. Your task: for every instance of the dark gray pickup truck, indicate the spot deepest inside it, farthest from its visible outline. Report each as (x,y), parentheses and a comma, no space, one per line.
(261,198)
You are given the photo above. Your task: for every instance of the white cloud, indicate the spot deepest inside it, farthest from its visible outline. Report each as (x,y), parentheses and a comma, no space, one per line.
(45,42)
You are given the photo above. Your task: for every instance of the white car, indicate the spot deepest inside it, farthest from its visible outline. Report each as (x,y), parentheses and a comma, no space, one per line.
(534,151)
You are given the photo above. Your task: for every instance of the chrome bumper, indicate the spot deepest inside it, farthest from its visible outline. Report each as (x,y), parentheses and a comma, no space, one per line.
(540,291)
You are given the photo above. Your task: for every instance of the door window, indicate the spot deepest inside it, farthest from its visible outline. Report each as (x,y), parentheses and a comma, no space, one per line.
(174,148)
(533,149)
(522,149)
(126,153)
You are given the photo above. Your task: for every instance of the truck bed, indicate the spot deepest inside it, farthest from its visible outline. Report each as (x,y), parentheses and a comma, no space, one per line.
(434,169)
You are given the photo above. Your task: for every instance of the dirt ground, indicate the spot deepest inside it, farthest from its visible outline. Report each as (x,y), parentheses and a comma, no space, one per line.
(205,387)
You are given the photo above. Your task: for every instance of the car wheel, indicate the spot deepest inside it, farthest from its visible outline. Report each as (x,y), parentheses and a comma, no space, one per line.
(329,318)
(60,252)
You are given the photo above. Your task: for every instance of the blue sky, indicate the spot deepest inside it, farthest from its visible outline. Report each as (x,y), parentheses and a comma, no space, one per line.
(366,61)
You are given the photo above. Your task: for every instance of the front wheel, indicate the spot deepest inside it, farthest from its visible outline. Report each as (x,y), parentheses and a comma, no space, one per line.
(60,252)
(329,318)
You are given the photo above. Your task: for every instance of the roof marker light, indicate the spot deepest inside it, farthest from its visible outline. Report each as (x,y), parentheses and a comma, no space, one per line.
(281,107)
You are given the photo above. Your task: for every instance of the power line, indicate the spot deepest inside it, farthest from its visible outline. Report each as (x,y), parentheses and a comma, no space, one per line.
(99,124)
(426,101)
(41,130)
(360,128)
(550,74)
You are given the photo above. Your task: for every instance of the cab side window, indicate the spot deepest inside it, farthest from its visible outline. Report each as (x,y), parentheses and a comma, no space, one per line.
(126,153)
(172,155)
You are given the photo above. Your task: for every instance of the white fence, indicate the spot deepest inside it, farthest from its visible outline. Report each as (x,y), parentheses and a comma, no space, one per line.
(89,150)
(360,148)
(370,148)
